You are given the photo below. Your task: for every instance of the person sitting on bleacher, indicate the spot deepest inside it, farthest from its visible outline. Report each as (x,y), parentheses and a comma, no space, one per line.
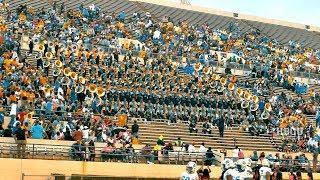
(147,153)
(192,127)
(210,158)
(76,151)
(206,128)
(37,131)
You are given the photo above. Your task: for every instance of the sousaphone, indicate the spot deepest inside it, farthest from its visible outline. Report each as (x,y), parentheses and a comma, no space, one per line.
(49,55)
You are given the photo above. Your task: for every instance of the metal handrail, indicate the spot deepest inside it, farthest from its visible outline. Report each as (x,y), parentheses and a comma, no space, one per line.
(32,150)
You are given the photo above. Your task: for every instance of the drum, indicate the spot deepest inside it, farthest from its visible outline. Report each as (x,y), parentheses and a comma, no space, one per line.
(122,120)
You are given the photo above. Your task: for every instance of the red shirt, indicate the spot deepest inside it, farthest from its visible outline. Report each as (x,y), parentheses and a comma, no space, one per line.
(21,116)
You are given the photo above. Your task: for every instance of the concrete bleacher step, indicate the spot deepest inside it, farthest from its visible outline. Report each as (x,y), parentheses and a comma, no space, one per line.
(150,132)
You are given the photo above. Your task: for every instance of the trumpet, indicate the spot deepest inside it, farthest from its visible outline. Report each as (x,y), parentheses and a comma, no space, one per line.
(239,92)
(255,99)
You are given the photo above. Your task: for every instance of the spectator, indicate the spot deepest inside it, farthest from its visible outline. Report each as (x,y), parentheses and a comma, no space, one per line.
(209,159)
(77,134)
(160,141)
(37,131)
(277,174)
(147,153)
(309,175)
(92,150)
(20,138)
(192,127)
(76,151)
(206,128)
(221,126)
(135,129)
(235,153)
(202,148)
(178,142)
(8,132)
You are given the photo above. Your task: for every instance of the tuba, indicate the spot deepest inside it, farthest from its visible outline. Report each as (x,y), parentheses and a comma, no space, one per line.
(100,91)
(65,81)
(245,104)
(79,89)
(265,115)
(46,63)
(254,107)
(56,72)
(58,63)
(82,80)
(49,55)
(66,71)
(223,81)
(92,88)
(268,107)
(231,86)
(74,76)
(197,66)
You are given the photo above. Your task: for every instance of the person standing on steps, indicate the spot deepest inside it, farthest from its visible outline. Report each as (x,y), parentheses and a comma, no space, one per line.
(31,45)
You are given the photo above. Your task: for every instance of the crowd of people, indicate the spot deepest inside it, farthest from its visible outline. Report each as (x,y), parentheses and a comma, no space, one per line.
(88,63)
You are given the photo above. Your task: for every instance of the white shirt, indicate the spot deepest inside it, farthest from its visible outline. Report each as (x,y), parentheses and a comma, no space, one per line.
(202,149)
(235,153)
(231,172)
(263,172)
(187,176)
(191,148)
(85,133)
(13,110)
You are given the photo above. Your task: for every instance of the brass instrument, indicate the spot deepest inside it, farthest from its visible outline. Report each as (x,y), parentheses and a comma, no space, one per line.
(41,47)
(223,81)
(247,95)
(74,47)
(92,88)
(58,63)
(254,107)
(82,80)
(49,55)
(22,17)
(46,63)
(100,91)
(268,107)
(239,92)
(79,89)
(244,104)
(51,45)
(206,70)
(231,86)
(74,76)
(66,71)
(255,99)
(220,89)
(56,72)
(197,66)
(265,115)
(65,81)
